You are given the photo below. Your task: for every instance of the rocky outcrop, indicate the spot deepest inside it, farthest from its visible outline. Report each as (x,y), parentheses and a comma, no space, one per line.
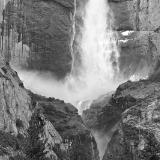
(15,111)
(15,102)
(138,134)
(33,127)
(76,140)
(138,54)
(42,33)
(133,112)
(140,49)
(43,140)
(139,15)
(92,116)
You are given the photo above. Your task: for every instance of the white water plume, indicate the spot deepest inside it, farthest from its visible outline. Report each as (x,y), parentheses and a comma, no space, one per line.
(99,58)
(98,41)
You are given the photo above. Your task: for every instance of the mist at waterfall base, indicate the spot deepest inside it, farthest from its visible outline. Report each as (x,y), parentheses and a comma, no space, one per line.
(99,56)
(102,139)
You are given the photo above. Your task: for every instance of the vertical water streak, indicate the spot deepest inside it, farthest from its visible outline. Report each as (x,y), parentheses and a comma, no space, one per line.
(98,52)
(98,43)
(73,34)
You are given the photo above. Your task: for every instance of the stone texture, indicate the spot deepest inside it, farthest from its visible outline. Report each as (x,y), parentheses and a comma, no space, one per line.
(14,102)
(130,117)
(92,116)
(137,136)
(33,127)
(138,53)
(141,15)
(78,142)
(141,49)
(44,141)
(123,14)
(46,28)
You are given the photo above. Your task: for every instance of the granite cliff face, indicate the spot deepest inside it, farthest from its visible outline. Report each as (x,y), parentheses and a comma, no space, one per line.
(14,101)
(38,35)
(140,49)
(137,136)
(131,118)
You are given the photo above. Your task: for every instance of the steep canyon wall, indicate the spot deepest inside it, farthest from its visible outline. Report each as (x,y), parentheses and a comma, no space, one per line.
(38,35)
(140,48)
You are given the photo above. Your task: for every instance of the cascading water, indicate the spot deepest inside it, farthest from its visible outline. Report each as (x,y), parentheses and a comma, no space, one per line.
(98,61)
(99,53)
(98,41)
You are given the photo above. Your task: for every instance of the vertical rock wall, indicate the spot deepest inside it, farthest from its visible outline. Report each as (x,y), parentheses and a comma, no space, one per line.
(140,49)
(39,34)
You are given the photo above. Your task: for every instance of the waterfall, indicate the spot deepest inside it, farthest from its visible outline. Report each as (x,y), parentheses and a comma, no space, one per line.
(94,75)
(99,49)
(98,53)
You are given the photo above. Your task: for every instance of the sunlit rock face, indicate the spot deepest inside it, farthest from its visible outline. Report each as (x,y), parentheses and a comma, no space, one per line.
(45,28)
(15,110)
(139,53)
(138,133)
(140,49)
